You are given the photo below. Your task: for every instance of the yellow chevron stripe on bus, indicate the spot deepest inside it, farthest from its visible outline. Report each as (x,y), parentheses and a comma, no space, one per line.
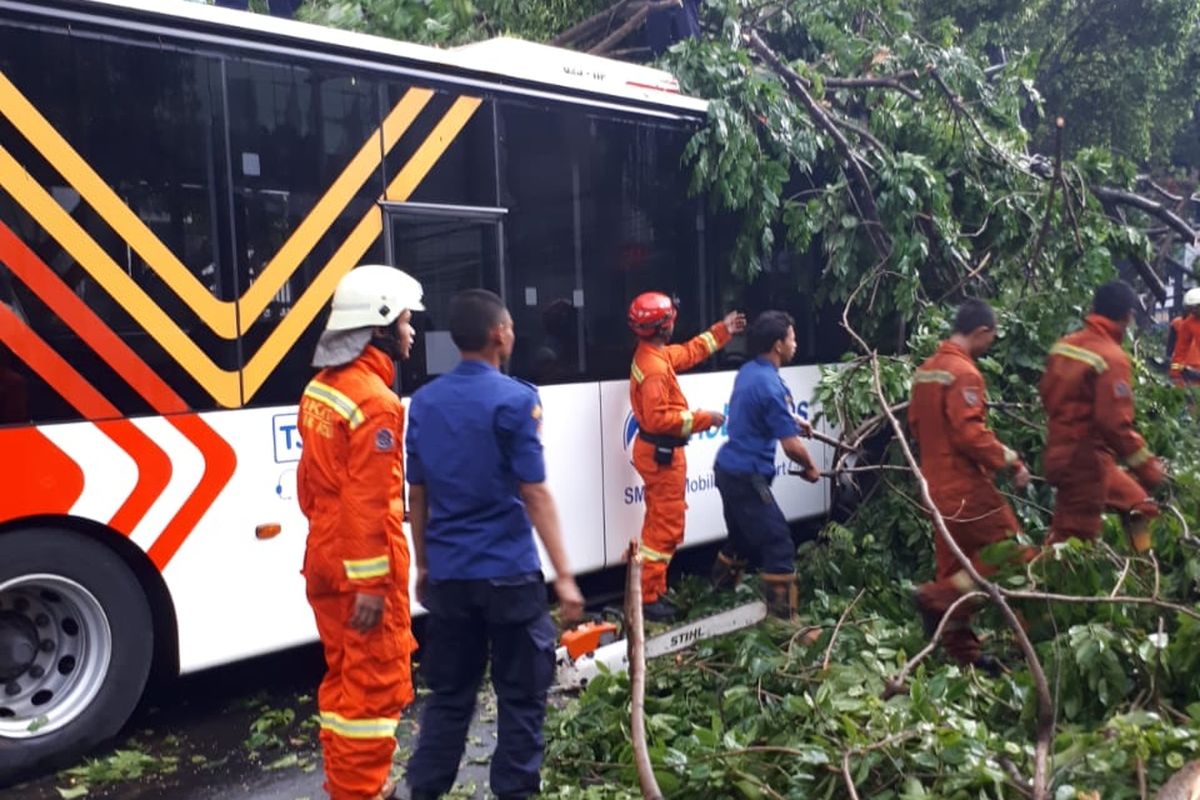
(223,384)
(219,315)
(348,255)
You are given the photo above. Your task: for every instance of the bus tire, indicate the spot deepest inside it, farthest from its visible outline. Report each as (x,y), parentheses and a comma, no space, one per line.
(76,644)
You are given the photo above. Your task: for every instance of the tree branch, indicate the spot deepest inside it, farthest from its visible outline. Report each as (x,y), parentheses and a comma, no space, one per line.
(1151,207)
(852,161)
(894,82)
(637,675)
(1045,703)
(589,26)
(1031,267)
(895,686)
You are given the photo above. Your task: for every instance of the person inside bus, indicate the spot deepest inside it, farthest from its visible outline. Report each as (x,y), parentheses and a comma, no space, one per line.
(665,423)
(761,414)
(350,483)
(477,490)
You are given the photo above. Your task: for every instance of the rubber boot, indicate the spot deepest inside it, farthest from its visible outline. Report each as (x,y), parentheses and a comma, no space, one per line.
(782,595)
(661,610)
(727,572)
(1137,528)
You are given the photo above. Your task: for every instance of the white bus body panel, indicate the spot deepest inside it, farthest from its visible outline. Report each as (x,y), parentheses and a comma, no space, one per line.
(236,596)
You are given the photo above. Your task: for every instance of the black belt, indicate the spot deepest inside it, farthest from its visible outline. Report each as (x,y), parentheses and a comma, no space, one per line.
(661,440)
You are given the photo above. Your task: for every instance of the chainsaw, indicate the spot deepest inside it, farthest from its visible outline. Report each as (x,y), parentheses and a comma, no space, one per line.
(593,646)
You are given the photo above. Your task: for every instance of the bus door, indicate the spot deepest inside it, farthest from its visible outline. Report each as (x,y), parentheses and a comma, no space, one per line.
(448,249)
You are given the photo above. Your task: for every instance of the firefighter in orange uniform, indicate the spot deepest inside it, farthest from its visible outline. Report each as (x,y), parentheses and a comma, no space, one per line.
(1184,341)
(665,423)
(960,457)
(1089,404)
(350,485)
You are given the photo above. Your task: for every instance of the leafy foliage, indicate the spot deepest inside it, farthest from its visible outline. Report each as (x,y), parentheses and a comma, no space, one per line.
(452,22)
(1124,74)
(905,184)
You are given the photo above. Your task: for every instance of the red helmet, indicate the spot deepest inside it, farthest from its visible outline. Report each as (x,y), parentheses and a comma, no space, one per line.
(649,313)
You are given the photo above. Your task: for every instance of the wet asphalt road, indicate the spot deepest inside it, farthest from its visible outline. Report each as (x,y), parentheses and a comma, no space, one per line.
(247,731)
(240,732)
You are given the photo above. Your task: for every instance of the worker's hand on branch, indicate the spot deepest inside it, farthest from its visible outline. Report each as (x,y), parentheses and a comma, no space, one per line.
(718,419)
(1151,473)
(735,321)
(1021,477)
(810,472)
(804,425)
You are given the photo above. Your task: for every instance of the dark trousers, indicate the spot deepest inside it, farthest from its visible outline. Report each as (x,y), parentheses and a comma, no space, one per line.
(758,531)
(468,620)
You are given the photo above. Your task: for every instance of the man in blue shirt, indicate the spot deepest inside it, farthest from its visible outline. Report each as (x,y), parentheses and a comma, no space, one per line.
(761,413)
(476,483)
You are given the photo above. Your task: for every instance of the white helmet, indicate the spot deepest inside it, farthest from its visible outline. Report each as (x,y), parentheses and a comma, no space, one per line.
(373,295)
(1192,297)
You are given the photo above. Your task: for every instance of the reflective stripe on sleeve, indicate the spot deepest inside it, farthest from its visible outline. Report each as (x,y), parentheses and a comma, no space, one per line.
(636,373)
(710,342)
(365,568)
(1094,360)
(653,555)
(372,728)
(688,421)
(962,582)
(1140,457)
(933,376)
(1010,456)
(342,405)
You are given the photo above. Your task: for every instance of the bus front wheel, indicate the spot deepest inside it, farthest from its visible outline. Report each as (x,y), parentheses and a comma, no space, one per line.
(76,643)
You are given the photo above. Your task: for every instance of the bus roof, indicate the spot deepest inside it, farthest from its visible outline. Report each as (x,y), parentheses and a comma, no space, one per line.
(502,61)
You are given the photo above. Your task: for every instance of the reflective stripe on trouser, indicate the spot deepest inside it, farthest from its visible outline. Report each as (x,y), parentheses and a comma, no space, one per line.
(367,683)
(1079,502)
(984,518)
(666,511)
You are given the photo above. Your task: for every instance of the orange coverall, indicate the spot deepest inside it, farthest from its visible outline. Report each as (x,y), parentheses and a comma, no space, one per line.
(960,456)
(350,484)
(1089,405)
(1187,346)
(661,409)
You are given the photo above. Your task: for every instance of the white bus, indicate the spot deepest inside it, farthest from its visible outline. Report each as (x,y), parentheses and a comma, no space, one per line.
(181,187)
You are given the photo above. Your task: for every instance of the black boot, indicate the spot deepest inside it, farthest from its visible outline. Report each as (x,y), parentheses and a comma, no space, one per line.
(727,572)
(661,610)
(782,595)
(993,666)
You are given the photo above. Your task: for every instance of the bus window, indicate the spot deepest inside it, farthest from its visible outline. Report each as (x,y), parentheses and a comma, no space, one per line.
(446,155)
(294,132)
(639,232)
(447,255)
(788,282)
(148,123)
(598,214)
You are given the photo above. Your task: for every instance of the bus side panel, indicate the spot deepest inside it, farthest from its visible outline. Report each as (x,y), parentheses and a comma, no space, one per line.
(572,439)
(236,596)
(624,504)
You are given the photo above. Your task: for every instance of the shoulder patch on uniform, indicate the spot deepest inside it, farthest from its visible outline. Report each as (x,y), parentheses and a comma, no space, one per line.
(1121,390)
(385,440)
(971,396)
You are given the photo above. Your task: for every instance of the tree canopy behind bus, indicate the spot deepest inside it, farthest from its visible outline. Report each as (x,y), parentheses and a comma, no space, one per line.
(896,159)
